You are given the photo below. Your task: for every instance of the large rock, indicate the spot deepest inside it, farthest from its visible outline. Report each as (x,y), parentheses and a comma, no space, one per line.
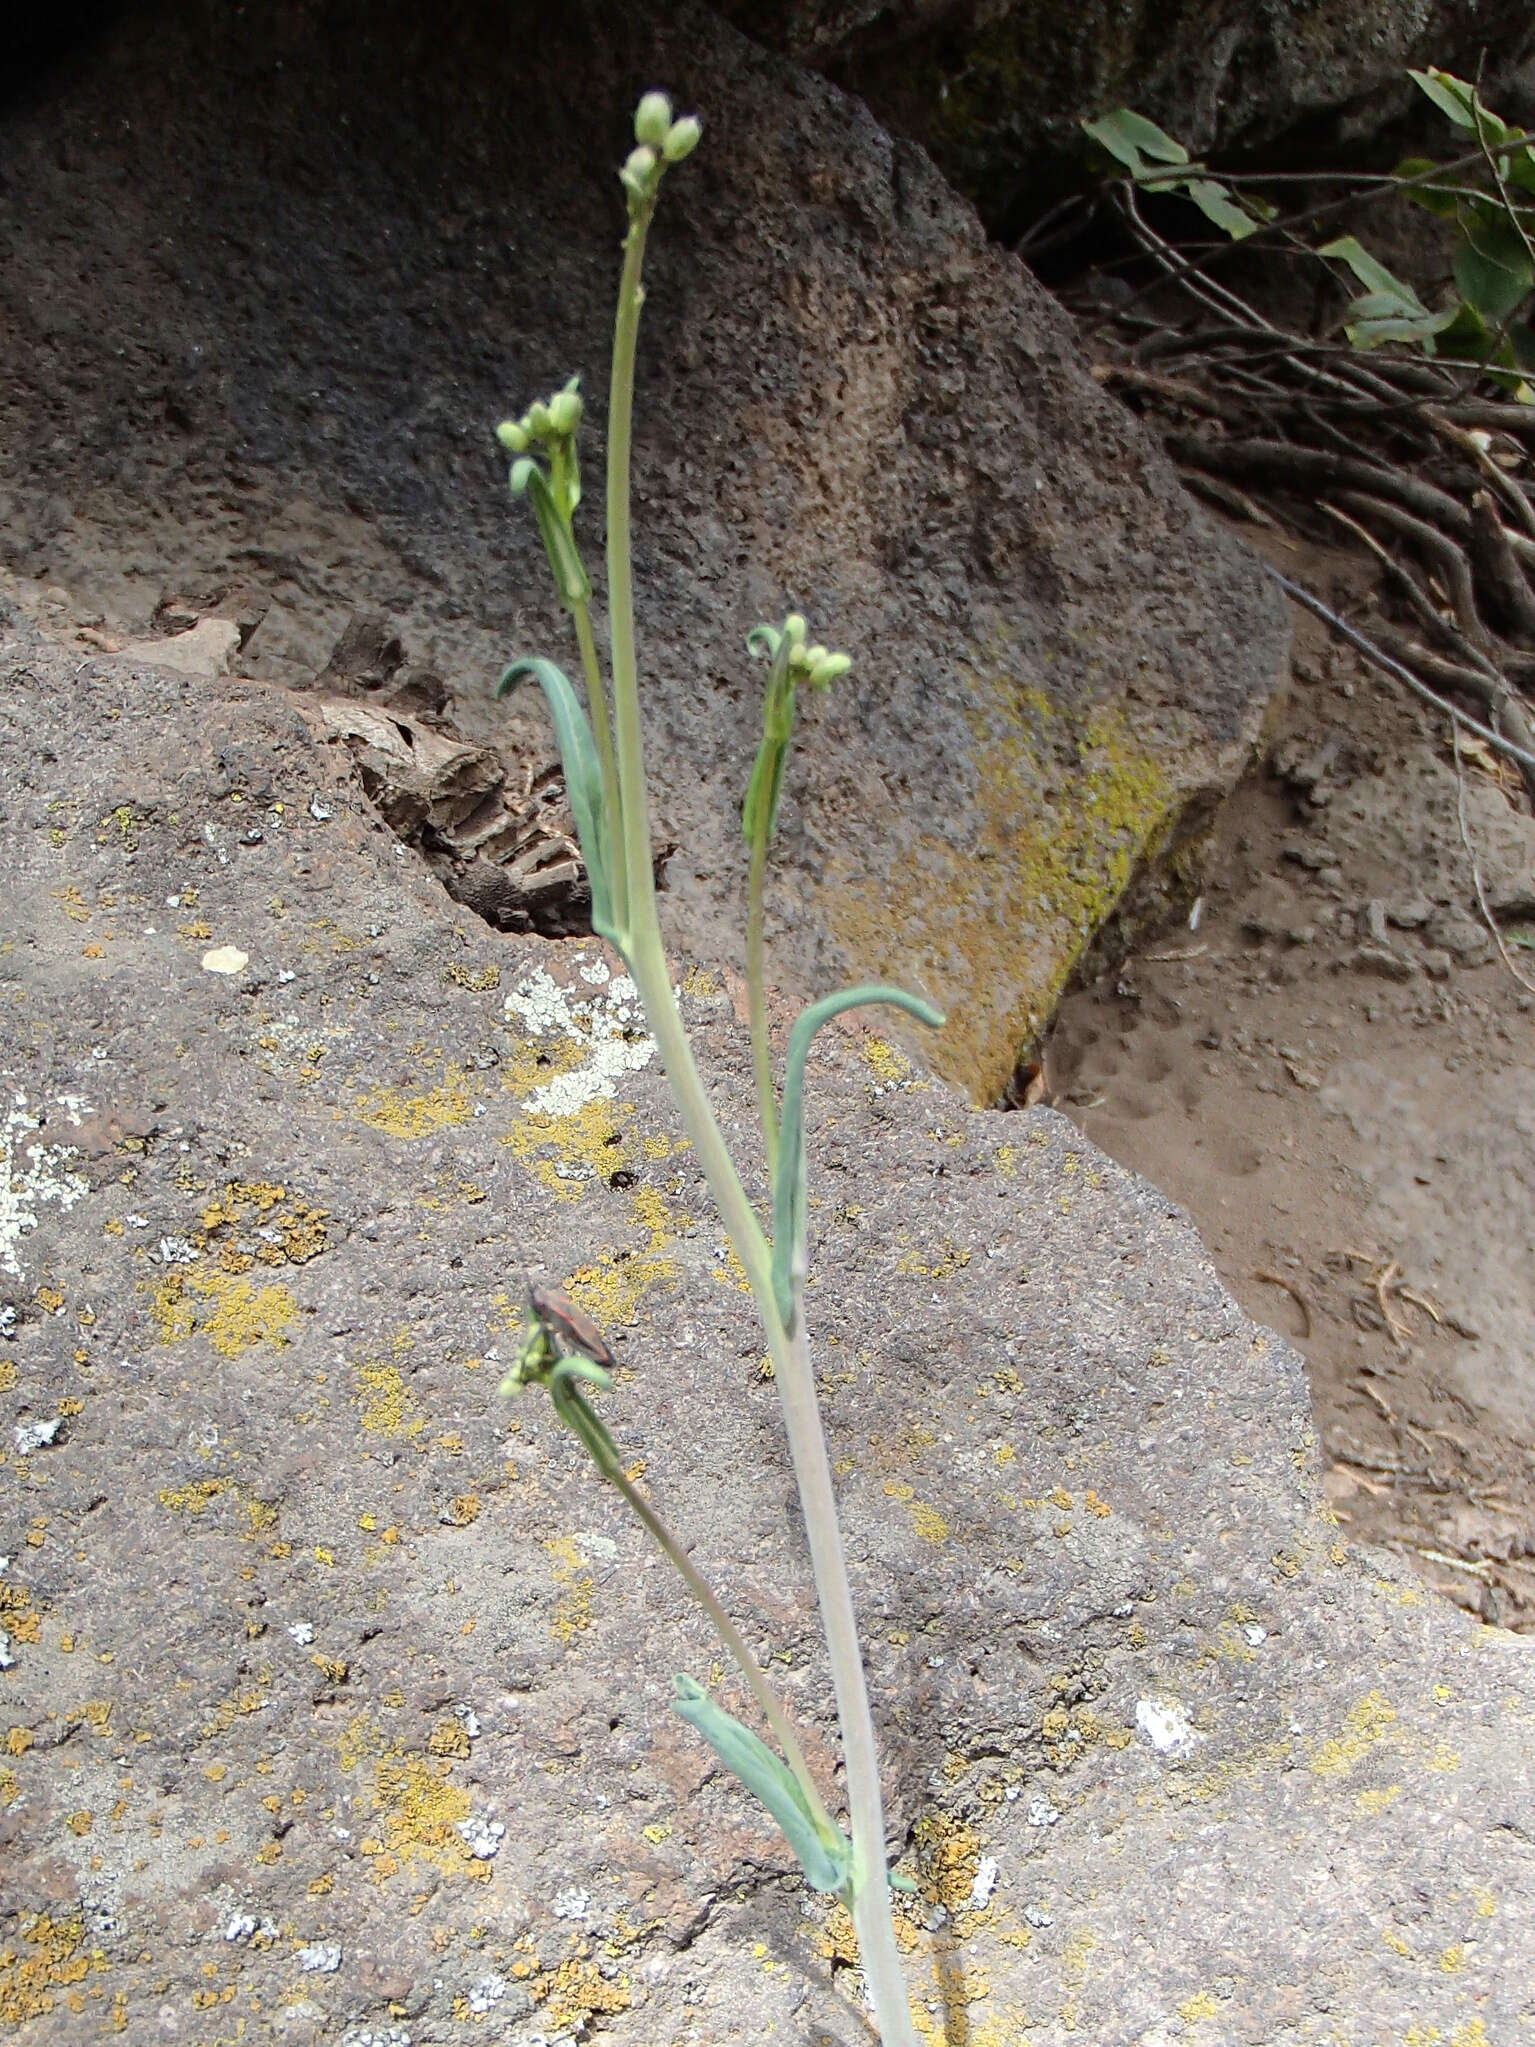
(996,92)
(336,1691)
(271,275)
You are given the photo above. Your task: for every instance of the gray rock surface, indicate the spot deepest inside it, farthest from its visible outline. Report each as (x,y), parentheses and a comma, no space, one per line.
(311,254)
(996,91)
(336,1691)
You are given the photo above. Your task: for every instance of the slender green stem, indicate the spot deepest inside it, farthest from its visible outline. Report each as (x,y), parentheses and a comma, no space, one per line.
(728,1633)
(756,997)
(602,732)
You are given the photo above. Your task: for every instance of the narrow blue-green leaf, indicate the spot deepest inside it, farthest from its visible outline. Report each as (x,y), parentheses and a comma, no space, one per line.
(583,776)
(1129,137)
(827,1863)
(789,1183)
(565,563)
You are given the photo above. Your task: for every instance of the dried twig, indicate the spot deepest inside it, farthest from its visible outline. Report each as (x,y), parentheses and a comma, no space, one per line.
(1278,1279)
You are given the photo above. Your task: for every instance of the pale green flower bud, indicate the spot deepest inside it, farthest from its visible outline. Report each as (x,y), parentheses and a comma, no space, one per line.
(511,436)
(794,629)
(825,673)
(639,170)
(538,420)
(521,471)
(682,138)
(812,657)
(653,120)
(564,412)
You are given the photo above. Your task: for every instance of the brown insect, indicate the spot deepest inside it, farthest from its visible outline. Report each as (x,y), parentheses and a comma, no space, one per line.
(569,1327)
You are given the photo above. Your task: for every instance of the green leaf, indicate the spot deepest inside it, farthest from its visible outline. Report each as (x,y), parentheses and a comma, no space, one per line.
(583,777)
(1216,203)
(1521,342)
(1492,268)
(827,1862)
(1130,138)
(1519,169)
(1372,274)
(1467,335)
(1444,204)
(789,1181)
(1451,95)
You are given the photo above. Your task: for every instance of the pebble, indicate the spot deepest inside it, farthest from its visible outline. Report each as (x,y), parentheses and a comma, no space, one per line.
(1410,915)
(1383,963)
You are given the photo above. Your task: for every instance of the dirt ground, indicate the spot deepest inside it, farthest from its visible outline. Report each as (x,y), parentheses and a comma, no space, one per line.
(1330,1071)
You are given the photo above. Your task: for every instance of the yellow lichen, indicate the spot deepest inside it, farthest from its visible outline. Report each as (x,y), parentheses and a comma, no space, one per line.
(992,927)
(929,1265)
(277,1229)
(567,1153)
(479,980)
(51,1957)
(227,1309)
(1366,1724)
(577,1992)
(572,1613)
(888,1066)
(412,1117)
(418,1808)
(385,1403)
(193,1499)
(1200,2006)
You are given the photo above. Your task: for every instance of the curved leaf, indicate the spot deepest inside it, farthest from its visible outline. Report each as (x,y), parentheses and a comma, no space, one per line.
(583,777)
(565,563)
(789,1181)
(827,1863)
(1130,138)
(1451,95)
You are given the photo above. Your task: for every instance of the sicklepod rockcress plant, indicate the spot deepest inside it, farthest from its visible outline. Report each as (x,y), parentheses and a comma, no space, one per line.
(601,749)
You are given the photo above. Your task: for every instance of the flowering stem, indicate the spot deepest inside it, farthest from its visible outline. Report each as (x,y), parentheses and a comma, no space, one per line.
(756,997)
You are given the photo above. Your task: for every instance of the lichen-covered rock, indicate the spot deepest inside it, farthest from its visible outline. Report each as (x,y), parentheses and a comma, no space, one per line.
(351,241)
(333,1692)
(996,92)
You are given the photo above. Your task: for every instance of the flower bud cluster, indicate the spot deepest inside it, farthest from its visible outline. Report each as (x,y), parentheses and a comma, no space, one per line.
(816,665)
(547,425)
(659,141)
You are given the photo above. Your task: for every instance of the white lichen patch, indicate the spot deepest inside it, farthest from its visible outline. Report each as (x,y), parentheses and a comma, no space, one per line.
(1166,1726)
(30,1436)
(609,1023)
(481,1836)
(985,1883)
(322,1958)
(31,1175)
(488,1990)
